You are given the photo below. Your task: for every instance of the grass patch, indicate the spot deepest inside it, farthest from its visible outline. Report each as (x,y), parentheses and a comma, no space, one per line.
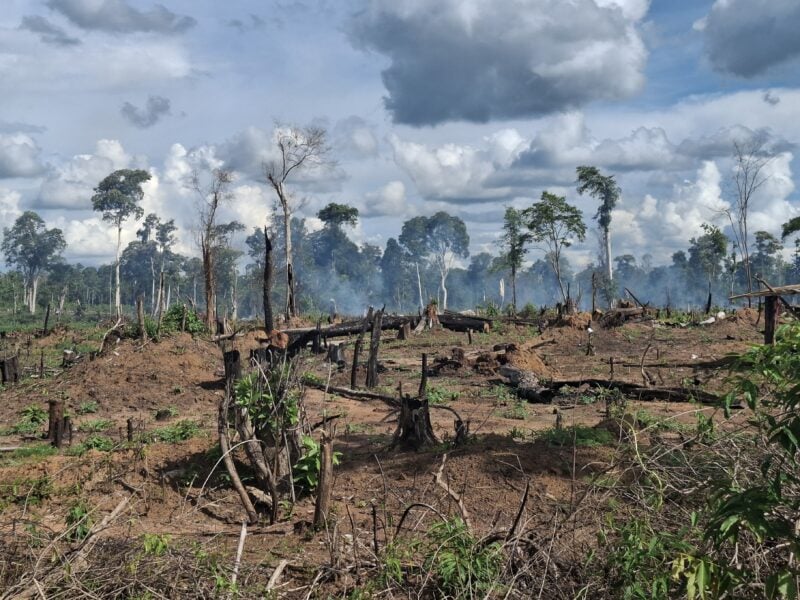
(179,432)
(96,425)
(87,408)
(583,436)
(28,453)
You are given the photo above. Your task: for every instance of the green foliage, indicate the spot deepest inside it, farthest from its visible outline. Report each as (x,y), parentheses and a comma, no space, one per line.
(97,442)
(580,435)
(181,431)
(156,544)
(306,469)
(29,491)
(518,411)
(87,407)
(272,404)
(460,565)
(118,195)
(529,311)
(96,425)
(172,319)
(79,521)
(32,417)
(437,395)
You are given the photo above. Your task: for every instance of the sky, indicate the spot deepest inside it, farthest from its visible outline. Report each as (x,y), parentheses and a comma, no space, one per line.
(467,106)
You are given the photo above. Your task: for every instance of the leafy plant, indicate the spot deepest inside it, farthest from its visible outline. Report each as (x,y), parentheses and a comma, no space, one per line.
(79,521)
(156,544)
(581,435)
(87,407)
(461,566)
(178,432)
(518,411)
(32,417)
(437,395)
(96,425)
(306,470)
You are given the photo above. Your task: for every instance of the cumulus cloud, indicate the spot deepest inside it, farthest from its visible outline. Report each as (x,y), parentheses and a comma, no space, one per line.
(117,16)
(9,207)
(48,32)
(19,156)
(251,23)
(155,108)
(458,173)
(501,59)
(354,137)
(389,201)
(747,37)
(69,185)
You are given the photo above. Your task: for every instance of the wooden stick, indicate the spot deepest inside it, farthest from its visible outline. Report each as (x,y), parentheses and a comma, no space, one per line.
(239,550)
(437,478)
(276,574)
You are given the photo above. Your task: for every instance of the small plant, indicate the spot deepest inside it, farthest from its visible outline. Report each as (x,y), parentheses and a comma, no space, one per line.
(517,434)
(96,425)
(177,390)
(437,395)
(87,407)
(581,435)
(156,544)
(518,411)
(306,470)
(97,442)
(174,316)
(461,566)
(179,432)
(311,378)
(32,417)
(79,522)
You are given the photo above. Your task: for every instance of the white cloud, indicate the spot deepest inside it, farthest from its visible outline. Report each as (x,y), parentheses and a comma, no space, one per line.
(9,207)
(69,185)
(19,156)
(389,201)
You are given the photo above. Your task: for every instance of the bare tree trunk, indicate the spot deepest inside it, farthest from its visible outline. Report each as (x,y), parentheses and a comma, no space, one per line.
(208,275)
(443,274)
(269,320)
(117,299)
(291,308)
(514,289)
(609,272)
(419,286)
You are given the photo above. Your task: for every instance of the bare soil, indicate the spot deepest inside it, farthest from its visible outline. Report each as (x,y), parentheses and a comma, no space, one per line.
(178,489)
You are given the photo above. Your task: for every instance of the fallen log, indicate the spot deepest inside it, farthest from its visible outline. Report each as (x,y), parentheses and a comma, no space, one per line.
(464,324)
(354,394)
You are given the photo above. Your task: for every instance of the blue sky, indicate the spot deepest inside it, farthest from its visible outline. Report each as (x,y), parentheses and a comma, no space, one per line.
(458,105)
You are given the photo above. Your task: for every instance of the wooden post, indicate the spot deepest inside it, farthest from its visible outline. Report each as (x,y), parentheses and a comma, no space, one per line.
(594,292)
(41,364)
(68,429)
(325,485)
(130,430)
(140,318)
(611,364)
(469,336)
(46,318)
(55,422)
(423,380)
(375,341)
(9,370)
(183,318)
(771,309)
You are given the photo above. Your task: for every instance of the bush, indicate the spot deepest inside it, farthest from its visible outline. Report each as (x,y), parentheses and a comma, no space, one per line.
(306,470)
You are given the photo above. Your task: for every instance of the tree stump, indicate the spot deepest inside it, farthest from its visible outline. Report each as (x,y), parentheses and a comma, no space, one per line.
(325,485)
(9,370)
(414,429)
(375,341)
(404,333)
(55,426)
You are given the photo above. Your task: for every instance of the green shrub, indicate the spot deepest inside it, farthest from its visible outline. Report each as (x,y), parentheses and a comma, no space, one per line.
(79,521)
(179,432)
(87,407)
(461,566)
(96,425)
(306,470)
(581,435)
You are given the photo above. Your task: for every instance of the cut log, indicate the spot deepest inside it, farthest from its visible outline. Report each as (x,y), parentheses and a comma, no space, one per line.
(464,324)
(9,370)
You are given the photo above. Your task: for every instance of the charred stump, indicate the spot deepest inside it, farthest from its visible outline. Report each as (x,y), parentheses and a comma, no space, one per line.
(414,429)
(374,346)
(269,319)
(9,370)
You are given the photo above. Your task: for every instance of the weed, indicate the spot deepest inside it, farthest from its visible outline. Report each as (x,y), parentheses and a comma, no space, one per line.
(462,567)
(156,544)
(87,407)
(79,521)
(518,411)
(96,425)
(30,491)
(32,417)
(30,452)
(306,470)
(517,434)
(97,442)
(179,432)
(437,395)
(581,435)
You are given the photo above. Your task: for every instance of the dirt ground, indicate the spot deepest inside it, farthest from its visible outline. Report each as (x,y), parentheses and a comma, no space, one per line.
(178,488)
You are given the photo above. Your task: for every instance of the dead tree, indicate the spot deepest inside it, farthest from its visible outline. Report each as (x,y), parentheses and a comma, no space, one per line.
(9,370)
(269,320)
(375,341)
(414,429)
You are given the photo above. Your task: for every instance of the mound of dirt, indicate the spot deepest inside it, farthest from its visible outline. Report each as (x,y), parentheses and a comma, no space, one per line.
(527,359)
(576,321)
(745,315)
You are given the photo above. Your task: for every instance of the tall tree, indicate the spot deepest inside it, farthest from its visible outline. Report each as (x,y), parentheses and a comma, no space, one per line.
(706,255)
(117,197)
(440,239)
(750,158)
(299,148)
(605,189)
(211,194)
(397,275)
(555,224)
(513,243)
(33,249)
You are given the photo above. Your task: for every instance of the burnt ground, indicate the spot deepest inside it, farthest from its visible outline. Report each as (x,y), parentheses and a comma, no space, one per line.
(175,491)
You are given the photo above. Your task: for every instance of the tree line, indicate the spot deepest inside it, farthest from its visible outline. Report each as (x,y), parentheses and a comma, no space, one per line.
(325,271)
